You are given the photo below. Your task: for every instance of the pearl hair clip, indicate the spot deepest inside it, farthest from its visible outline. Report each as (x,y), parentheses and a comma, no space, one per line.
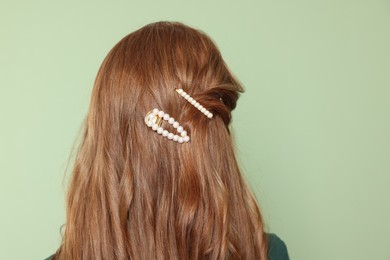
(194,103)
(154,119)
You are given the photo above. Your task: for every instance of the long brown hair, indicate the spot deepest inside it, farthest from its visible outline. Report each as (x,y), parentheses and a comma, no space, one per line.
(135,194)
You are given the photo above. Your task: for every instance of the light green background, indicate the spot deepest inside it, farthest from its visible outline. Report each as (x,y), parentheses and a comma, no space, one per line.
(312,128)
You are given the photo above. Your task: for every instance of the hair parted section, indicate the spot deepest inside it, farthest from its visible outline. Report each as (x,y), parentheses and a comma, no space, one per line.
(136,195)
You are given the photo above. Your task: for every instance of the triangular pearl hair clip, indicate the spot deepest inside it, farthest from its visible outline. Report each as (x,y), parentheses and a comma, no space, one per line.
(194,103)
(153,119)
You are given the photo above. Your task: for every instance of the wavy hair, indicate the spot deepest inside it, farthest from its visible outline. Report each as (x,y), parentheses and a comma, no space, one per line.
(134,194)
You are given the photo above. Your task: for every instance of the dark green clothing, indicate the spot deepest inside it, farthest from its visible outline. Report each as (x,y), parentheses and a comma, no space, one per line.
(277,249)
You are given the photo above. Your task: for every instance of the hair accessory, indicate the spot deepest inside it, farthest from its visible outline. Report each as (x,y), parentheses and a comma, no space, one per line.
(194,103)
(154,119)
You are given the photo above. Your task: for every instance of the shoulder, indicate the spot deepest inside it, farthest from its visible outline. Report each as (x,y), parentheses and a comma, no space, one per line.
(49,258)
(277,249)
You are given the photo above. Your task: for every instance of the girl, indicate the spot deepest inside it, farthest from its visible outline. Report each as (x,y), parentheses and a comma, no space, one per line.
(155,176)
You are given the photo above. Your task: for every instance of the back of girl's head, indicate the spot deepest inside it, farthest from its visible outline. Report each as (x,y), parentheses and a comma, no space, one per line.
(135,194)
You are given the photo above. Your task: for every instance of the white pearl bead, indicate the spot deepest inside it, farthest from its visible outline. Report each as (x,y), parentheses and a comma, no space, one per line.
(197,105)
(180,91)
(186,96)
(190,99)
(203,110)
(183,94)
(155,116)
(210,115)
(200,107)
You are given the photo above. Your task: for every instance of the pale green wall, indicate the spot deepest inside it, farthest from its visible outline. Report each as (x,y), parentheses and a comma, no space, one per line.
(312,129)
